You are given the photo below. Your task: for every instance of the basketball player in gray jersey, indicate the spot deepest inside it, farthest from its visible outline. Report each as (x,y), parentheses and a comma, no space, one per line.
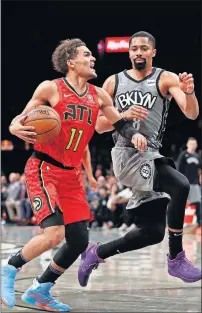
(157,187)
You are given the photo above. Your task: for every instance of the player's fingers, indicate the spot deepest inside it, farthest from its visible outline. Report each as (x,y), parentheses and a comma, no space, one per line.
(142,144)
(190,75)
(139,109)
(27,128)
(27,139)
(184,78)
(190,80)
(135,115)
(142,116)
(139,114)
(184,74)
(139,143)
(22,118)
(145,144)
(27,133)
(135,142)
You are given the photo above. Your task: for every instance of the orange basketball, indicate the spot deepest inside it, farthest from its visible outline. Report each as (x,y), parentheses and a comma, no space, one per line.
(46,121)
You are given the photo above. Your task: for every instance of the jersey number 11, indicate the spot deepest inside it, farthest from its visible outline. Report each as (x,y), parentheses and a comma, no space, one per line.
(73,133)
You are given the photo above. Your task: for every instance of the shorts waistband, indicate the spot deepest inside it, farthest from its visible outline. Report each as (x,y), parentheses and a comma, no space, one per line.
(45,157)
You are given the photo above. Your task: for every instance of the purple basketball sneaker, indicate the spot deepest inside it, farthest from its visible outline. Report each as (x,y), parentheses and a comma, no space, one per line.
(89,261)
(182,268)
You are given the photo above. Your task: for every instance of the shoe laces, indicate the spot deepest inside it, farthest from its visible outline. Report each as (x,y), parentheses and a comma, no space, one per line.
(92,266)
(49,299)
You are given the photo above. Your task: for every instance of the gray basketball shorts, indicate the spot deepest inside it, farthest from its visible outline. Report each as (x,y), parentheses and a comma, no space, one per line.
(194,194)
(136,169)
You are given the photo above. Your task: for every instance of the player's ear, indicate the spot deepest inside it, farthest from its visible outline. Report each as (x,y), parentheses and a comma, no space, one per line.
(154,53)
(70,64)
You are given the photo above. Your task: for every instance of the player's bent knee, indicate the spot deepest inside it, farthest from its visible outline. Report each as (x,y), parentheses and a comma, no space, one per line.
(54,235)
(79,245)
(158,236)
(76,236)
(83,244)
(183,185)
(155,234)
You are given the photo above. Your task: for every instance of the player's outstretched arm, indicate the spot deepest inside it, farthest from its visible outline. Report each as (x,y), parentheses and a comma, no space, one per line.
(43,94)
(106,106)
(103,124)
(124,127)
(181,89)
(111,113)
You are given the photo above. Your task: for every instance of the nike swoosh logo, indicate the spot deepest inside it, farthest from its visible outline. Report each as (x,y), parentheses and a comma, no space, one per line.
(178,234)
(65,95)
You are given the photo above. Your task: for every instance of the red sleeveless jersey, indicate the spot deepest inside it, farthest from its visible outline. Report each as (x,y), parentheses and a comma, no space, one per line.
(78,114)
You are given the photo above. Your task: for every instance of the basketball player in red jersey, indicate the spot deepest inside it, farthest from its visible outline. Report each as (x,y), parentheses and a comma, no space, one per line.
(53,172)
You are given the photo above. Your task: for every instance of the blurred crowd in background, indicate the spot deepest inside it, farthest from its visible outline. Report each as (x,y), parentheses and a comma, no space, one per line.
(107,201)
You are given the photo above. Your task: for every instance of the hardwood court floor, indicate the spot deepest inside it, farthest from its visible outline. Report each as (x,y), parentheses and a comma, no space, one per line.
(132,282)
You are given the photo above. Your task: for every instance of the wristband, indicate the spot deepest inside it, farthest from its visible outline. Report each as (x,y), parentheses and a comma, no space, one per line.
(125,128)
(189,94)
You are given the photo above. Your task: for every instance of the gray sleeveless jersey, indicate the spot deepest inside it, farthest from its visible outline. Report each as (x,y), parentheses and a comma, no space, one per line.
(145,93)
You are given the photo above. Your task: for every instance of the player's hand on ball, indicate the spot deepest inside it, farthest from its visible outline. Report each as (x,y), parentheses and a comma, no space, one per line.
(140,142)
(186,82)
(136,112)
(25,133)
(92,182)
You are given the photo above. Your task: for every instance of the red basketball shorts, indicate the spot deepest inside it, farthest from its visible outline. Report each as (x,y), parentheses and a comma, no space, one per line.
(50,186)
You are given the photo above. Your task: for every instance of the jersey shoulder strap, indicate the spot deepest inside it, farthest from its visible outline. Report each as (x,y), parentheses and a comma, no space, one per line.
(116,84)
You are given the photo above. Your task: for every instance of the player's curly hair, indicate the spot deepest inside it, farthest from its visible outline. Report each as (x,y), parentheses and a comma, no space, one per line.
(66,50)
